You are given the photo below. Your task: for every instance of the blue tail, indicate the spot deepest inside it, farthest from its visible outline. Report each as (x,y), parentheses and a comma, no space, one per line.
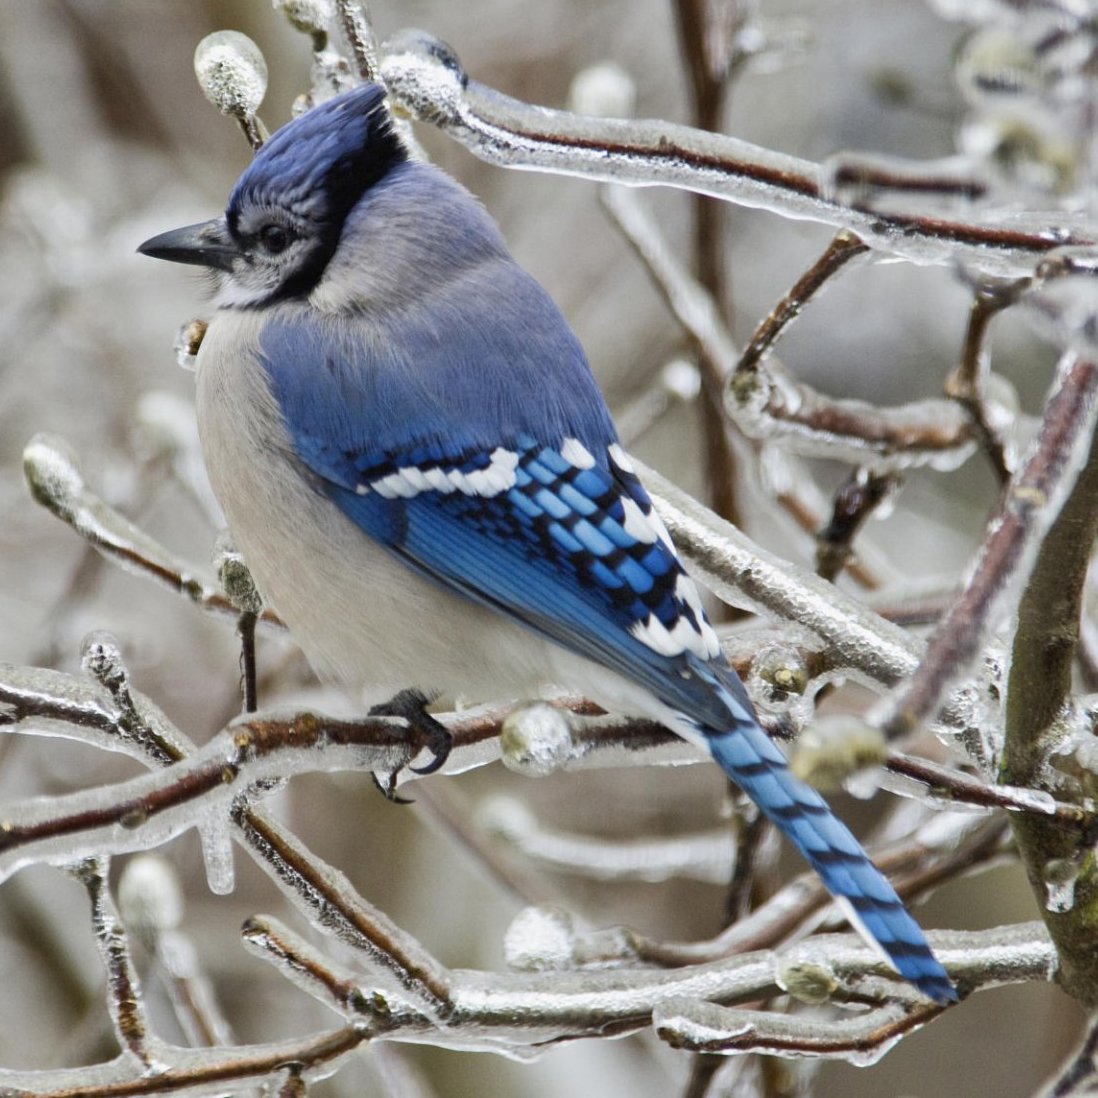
(759,768)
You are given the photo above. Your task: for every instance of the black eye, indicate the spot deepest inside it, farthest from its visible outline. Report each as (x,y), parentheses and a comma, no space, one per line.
(275,238)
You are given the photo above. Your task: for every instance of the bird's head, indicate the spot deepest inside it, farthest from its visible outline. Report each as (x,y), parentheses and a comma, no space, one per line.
(287,210)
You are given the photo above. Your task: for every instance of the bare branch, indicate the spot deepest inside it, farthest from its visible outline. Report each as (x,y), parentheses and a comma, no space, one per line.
(967,384)
(842,249)
(123,987)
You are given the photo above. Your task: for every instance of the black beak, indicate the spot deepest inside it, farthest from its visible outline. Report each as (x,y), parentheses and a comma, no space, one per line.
(207,244)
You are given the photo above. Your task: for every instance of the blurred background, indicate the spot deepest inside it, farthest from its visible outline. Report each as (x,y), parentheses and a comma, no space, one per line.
(105,140)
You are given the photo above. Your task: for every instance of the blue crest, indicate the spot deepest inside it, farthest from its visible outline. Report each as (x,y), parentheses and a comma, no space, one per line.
(320,164)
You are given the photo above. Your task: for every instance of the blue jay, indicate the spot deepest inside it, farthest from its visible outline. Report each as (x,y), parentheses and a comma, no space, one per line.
(415,460)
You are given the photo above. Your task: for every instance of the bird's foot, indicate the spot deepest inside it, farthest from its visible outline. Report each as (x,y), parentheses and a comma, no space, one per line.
(412,706)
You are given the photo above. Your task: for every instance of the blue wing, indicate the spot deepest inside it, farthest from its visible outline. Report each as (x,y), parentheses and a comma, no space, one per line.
(518,497)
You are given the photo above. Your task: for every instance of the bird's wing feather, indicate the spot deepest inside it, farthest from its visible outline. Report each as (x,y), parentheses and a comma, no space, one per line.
(517,497)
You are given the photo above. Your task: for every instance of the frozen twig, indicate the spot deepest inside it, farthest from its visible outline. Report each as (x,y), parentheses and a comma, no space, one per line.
(842,249)
(193,1072)
(51,703)
(1078,1078)
(769,405)
(427,79)
(326,897)
(756,850)
(709,49)
(737,569)
(976,960)
(507,1012)
(863,1039)
(918,863)
(961,789)
(56,482)
(857,499)
(123,988)
(1030,506)
(150,901)
(967,384)
(707,856)
(354,18)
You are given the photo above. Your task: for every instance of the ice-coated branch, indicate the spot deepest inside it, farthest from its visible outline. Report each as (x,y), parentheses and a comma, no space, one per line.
(53,475)
(860,1040)
(1059,860)
(150,901)
(428,80)
(954,786)
(337,986)
(326,898)
(51,703)
(742,572)
(515,1013)
(706,856)
(146,811)
(354,19)
(843,248)
(1029,507)
(976,960)
(763,400)
(124,1001)
(194,1073)
(709,44)
(968,383)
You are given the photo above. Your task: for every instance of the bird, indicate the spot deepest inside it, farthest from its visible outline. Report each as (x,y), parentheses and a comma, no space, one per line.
(417,464)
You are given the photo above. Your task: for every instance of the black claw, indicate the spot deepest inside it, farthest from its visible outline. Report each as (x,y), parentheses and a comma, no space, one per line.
(388,788)
(412,706)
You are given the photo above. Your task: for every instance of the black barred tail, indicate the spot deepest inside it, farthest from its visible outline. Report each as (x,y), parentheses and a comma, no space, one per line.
(759,768)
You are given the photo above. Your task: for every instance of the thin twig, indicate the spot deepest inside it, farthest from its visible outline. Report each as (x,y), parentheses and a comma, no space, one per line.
(54,477)
(123,987)
(855,501)
(752,832)
(245,627)
(707,1026)
(967,383)
(957,787)
(843,248)
(354,18)
(916,865)
(1079,1076)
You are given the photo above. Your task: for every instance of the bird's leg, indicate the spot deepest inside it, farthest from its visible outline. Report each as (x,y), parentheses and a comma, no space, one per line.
(412,706)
